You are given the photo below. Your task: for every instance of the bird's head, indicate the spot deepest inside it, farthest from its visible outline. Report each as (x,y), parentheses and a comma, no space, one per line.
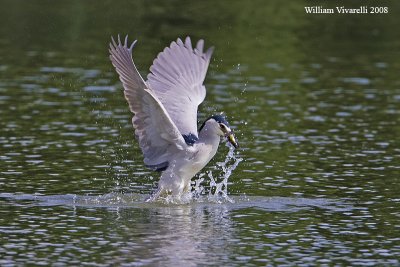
(221,126)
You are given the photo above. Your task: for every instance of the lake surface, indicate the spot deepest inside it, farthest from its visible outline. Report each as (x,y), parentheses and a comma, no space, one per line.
(314,100)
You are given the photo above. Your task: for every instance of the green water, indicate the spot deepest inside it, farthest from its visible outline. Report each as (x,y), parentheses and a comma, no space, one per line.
(314,100)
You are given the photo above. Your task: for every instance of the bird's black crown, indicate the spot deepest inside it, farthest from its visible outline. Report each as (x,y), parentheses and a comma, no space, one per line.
(220,118)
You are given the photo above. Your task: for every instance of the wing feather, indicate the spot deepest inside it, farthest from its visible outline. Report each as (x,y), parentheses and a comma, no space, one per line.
(177,77)
(156,132)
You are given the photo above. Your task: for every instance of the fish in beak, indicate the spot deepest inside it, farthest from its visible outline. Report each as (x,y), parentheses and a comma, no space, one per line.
(231,138)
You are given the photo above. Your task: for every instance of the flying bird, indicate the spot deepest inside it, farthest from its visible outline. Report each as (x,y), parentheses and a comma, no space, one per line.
(165,112)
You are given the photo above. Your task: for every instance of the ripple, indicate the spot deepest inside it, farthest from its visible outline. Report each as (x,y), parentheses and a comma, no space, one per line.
(115,200)
(357,80)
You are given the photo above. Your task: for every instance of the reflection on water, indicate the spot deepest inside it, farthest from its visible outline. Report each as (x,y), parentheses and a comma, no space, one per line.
(180,234)
(55,230)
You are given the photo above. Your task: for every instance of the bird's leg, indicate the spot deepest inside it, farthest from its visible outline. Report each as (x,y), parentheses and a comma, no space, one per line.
(187,188)
(159,193)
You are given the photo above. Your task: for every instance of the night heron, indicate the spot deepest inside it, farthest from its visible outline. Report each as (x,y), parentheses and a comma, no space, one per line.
(165,112)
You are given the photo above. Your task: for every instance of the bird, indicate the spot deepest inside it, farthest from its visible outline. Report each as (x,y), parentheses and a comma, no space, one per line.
(165,110)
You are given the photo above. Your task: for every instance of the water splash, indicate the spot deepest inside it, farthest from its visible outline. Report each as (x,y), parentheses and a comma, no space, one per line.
(206,188)
(218,187)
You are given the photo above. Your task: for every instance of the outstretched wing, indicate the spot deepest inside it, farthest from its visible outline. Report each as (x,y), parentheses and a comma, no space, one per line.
(176,78)
(157,134)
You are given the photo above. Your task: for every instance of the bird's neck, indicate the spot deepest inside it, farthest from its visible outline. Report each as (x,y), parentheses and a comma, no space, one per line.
(208,135)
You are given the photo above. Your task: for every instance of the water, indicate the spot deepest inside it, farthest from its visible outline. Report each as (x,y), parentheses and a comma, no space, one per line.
(179,234)
(314,102)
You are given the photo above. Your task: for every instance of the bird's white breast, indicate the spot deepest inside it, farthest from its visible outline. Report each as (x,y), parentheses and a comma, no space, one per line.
(198,159)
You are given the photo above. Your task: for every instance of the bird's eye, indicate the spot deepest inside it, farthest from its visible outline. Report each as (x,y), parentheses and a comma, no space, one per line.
(222,126)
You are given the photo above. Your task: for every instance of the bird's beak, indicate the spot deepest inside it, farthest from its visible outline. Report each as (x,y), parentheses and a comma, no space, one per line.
(232,140)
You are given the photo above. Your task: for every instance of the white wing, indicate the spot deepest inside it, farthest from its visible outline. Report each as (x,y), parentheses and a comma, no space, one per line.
(176,78)
(157,134)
